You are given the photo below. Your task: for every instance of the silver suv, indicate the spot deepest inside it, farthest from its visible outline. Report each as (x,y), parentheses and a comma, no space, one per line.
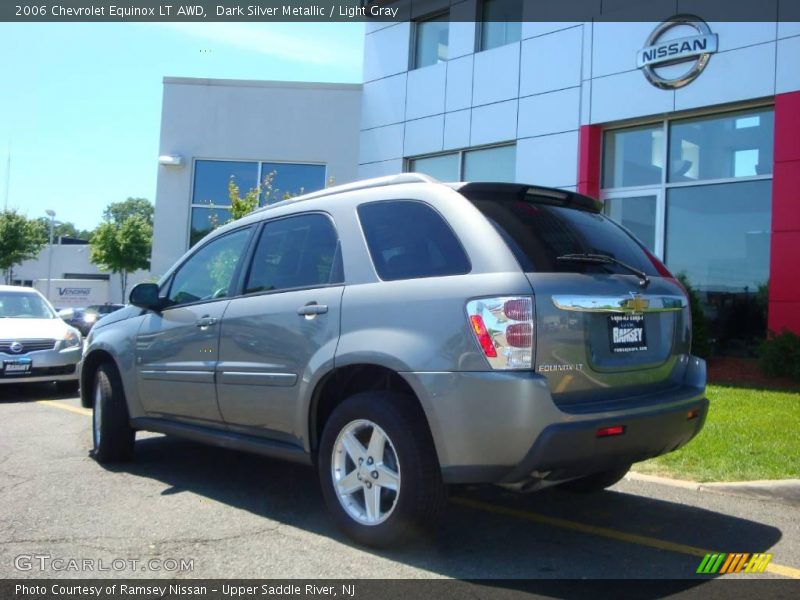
(402,334)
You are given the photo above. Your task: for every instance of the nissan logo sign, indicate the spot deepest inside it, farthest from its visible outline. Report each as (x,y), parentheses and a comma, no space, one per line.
(659,52)
(15,347)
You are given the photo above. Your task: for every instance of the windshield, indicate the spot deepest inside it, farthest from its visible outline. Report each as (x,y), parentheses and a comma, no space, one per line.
(23,305)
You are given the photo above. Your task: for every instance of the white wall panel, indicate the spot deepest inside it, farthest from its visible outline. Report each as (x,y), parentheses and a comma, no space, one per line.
(383,143)
(627,95)
(425,91)
(550,160)
(496,76)
(494,123)
(551,62)
(549,113)
(423,136)
(386,51)
(459,83)
(456,129)
(384,102)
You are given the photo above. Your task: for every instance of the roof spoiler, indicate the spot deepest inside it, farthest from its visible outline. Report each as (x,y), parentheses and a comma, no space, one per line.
(530,193)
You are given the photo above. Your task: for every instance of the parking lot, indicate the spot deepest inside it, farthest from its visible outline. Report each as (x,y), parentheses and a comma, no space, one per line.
(186,510)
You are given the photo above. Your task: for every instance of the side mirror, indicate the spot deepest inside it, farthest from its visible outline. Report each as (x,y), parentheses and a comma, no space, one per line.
(145,295)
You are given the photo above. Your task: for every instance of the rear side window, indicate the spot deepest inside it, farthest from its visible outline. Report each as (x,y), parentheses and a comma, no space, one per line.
(539,233)
(407,239)
(296,252)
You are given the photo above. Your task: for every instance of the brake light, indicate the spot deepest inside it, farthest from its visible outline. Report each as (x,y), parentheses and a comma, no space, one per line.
(503,328)
(484,339)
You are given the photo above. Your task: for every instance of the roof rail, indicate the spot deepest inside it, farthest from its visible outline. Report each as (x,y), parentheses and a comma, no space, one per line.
(364,184)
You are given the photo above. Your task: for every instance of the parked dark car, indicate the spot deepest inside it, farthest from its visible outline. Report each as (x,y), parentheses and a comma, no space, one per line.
(83,319)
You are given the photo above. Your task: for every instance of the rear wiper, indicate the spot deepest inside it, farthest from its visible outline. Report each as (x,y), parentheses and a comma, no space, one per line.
(644,281)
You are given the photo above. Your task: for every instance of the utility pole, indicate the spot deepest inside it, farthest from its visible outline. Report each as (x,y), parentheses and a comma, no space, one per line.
(8,179)
(52,215)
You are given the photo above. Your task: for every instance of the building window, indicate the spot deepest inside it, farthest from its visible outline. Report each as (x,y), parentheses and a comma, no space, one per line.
(496,163)
(697,193)
(430,45)
(210,200)
(501,23)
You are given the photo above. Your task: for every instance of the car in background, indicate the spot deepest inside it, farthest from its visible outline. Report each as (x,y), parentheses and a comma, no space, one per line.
(83,319)
(35,344)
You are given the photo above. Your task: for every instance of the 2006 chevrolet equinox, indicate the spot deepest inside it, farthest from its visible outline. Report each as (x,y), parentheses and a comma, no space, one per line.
(403,334)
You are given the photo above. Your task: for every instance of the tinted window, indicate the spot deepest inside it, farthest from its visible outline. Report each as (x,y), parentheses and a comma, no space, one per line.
(296,252)
(290,180)
(209,272)
(211,179)
(501,23)
(431,46)
(539,233)
(408,239)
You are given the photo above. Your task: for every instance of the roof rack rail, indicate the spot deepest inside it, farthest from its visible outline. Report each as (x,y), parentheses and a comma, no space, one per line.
(364,184)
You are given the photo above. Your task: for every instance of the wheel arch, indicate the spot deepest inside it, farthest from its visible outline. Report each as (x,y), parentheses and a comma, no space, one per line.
(348,380)
(92,362)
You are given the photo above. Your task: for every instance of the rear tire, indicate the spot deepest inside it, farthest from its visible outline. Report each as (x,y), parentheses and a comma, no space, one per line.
(380,492)
(596,482)
(112,436)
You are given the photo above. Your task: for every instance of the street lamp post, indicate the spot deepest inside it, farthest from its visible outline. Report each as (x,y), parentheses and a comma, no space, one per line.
(52,215)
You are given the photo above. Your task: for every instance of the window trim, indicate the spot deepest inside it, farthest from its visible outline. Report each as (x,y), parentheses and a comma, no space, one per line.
(254,245)
(259,162)
(412,50)
(435,210)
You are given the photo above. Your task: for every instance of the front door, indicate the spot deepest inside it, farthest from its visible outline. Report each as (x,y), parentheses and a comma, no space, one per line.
(283,329)
(177,349)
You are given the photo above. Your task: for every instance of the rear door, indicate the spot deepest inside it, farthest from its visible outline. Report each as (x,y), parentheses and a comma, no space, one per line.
(600,333)
(284,327)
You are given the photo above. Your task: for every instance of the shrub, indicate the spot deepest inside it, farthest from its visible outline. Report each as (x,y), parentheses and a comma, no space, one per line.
(779,355)
(701,345)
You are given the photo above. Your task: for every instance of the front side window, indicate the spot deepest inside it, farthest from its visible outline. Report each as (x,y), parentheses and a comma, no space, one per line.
(408,239)
(296,252)
(431,41)
(209,273)
(501,23)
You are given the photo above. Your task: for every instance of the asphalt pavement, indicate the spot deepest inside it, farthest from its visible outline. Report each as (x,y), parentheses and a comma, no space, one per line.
(185,510)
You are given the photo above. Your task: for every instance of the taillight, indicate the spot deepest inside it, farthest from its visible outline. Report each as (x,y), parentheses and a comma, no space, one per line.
(503,328)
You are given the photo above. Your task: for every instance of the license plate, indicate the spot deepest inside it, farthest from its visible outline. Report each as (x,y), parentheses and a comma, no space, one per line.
(20,366)
(626,333)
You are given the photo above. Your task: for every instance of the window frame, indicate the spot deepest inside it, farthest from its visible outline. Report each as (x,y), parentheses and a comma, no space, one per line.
(661,188)
(412,51)
(479,34)
(460,153)
(259,162)
(426,204)
(254,246)
(234,288)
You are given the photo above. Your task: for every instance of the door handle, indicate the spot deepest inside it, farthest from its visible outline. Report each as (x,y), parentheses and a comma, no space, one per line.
(205,322)
(311,309)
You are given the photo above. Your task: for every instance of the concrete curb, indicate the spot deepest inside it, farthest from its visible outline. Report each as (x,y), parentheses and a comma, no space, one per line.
(785,491)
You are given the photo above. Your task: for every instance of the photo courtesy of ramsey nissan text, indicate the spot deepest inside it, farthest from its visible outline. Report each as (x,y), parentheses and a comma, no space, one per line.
(400,298)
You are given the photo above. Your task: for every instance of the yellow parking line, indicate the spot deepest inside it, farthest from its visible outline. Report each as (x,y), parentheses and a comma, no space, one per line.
(607,532)
(76,409)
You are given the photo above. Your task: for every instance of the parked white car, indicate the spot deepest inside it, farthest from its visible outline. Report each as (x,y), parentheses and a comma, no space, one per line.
(35,344)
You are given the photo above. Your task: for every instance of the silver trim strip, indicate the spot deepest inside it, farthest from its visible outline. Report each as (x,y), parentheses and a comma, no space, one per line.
(250,378)
(620,304)
(187,376)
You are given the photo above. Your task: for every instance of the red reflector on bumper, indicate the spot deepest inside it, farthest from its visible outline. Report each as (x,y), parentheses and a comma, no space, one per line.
(609,431)
(692,414)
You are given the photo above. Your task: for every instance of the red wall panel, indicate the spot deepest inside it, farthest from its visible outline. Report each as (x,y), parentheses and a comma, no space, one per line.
(590,140)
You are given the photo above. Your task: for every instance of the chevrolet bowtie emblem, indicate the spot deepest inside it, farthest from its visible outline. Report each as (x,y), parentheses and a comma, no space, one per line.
(636,304)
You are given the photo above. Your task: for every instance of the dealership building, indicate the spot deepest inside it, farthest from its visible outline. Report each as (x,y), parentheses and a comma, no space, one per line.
(687,130)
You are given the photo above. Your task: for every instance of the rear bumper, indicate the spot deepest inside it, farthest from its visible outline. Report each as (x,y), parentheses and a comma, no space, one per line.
(504,427)
(569,450)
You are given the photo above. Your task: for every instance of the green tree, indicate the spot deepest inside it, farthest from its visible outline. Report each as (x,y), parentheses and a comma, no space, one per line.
(118,212)
(701,342)
(122,247)
(20,239)
(65,230)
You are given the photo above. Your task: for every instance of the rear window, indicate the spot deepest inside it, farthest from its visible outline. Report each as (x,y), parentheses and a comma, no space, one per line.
(407,239)
(538,234)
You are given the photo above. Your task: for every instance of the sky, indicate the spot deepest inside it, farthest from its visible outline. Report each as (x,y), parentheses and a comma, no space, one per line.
(80,104)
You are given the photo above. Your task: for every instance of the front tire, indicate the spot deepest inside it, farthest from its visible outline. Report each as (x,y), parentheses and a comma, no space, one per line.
(112,436)
(596,482)
(378,468)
